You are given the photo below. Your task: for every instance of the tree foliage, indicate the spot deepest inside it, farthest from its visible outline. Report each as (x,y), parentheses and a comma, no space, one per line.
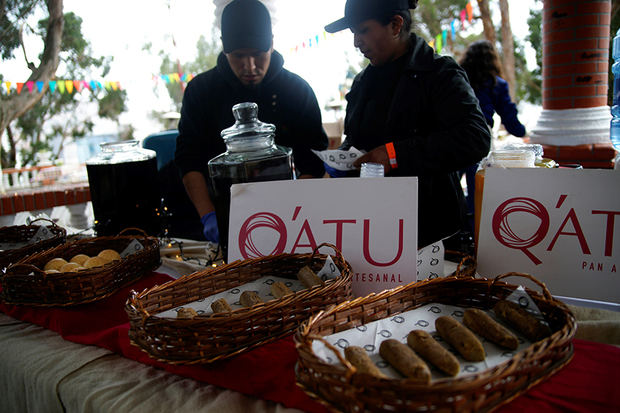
(48,119)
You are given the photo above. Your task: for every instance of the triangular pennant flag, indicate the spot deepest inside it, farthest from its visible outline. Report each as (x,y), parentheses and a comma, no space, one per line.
(40,86)
(177,78)
(115,86)
(69,86)
(93,85)
(8,87)
(324,34)
(52,86)
(99,85)
(438,45)
(61,87)
(316,39)
(432,43)
(77,84)
(444,37)
(20,85)
(166,78)
(470,12)
(30,85)
(463,19)
(190,77)
(310,42)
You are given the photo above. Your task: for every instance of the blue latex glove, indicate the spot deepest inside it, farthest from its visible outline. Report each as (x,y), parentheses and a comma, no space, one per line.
(209,227)
(334,173)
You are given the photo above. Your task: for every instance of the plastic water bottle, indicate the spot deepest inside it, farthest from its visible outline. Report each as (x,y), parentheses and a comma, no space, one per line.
(615,108)
(371,170)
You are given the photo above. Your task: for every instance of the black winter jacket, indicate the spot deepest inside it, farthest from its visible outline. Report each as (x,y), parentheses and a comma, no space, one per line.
(284,99)
(431,113)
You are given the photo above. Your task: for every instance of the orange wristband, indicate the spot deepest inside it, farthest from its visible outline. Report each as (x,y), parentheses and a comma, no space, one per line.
(391,154)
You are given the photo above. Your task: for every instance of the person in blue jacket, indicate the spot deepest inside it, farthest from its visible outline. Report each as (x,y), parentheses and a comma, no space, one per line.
(481,63)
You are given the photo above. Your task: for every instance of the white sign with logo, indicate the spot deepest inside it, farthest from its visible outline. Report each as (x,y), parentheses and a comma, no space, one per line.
(560,225)
(373,222)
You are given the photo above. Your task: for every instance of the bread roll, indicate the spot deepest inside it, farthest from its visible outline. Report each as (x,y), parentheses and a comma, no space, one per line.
(71,267)
(308,277)
(52,272)
(358,357)
(80,259)
(93,262)
(522,321)
(279,289)
(404,359)
(186,313)
(220,306)
(109,255)
(482,324)
(54,264)
(249,298)
(430,350)
(461,338)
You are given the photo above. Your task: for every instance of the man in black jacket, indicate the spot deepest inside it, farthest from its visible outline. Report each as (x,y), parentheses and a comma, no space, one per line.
(248,70)
(413,111)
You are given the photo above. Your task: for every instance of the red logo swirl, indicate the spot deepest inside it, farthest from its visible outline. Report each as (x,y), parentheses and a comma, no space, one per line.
(247,248)
(507,237)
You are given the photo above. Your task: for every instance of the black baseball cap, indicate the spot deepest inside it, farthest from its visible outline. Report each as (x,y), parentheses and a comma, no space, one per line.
(357,11)
(246,24)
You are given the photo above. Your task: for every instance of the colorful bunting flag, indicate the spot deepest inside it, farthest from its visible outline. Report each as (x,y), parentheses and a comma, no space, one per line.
(52,86)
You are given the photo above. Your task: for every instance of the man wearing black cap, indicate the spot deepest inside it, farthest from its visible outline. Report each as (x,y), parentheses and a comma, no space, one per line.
(248,70)
(413,111)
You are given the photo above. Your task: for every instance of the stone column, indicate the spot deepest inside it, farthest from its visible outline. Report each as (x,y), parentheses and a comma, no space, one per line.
(574,124)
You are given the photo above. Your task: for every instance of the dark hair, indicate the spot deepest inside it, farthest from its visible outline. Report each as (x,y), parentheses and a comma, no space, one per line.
(481,63)
(406,15)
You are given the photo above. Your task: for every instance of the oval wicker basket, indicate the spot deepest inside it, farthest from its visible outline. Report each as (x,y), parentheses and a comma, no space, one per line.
(212,337)
(26,283)
(339,388)
(23,233)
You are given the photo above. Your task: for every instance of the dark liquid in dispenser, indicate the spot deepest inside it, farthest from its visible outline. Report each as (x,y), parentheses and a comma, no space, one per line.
(224,176)
(125,195)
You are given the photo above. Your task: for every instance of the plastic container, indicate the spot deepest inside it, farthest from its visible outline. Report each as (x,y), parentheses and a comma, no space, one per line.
(371,170)
(251,156)
(505,158)
(615,107)
(124,189)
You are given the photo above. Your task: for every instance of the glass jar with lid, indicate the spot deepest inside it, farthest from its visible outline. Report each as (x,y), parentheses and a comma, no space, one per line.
(124,189)
(251,156)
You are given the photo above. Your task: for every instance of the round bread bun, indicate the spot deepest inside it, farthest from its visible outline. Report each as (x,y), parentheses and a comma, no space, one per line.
(71,267)
(80,259)
(109,255)
(94,262)
(52,272)
(54,264)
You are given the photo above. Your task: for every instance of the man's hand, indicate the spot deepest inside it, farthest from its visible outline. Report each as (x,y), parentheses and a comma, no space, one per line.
(209,227)
(377,155)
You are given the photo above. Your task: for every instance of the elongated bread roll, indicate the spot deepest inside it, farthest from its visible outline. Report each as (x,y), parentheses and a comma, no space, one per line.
(521,320)
(430,350)
(403,358)
(186,313)
(461,338)
(249,298)
(358,357)
(220,306)
(279,289)
(308,277)
(482,324)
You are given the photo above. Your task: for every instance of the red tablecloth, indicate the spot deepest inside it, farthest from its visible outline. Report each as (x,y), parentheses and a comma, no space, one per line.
(589,383)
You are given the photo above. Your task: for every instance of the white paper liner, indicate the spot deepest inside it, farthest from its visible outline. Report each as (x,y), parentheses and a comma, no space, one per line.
(261,286)
(370,336)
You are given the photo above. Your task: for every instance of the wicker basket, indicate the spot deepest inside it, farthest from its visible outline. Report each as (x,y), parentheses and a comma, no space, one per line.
(23,233)
(26,283)
(340,389)
(208,338)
